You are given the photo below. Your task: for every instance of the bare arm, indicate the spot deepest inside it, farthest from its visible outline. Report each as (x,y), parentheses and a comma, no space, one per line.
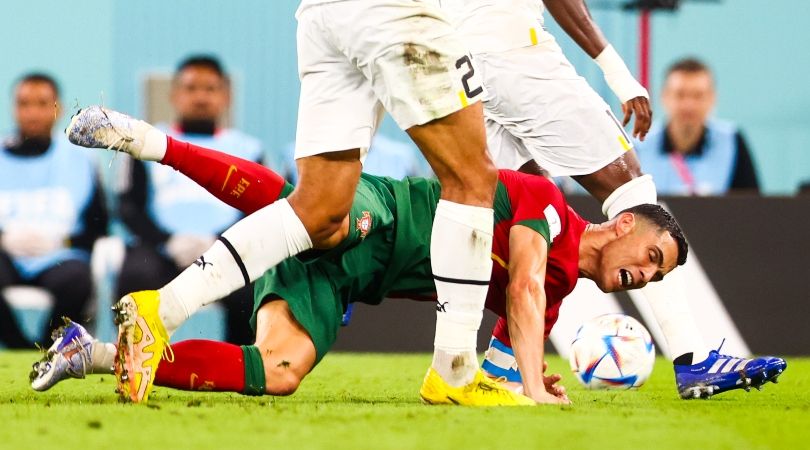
(575,19)
(526,306)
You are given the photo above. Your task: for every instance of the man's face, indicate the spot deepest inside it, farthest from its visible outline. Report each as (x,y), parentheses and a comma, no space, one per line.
(688,98)
(199,93)
(36,109)
(641,253)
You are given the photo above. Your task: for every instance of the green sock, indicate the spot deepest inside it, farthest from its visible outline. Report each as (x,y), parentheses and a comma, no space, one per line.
(254,370)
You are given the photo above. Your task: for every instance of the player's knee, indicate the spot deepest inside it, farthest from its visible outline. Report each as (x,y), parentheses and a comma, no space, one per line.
(471,184)
(326,223)
(281,381)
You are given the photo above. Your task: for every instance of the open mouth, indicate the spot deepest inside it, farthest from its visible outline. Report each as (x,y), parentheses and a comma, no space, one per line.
(625,278)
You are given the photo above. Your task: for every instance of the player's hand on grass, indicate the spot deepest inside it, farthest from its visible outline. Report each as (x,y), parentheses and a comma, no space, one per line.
(552,388)
(640,106)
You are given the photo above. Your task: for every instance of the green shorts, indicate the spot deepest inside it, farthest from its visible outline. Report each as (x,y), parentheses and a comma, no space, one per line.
(387,250)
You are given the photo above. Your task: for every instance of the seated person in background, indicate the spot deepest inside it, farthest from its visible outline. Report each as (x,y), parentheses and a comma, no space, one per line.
(173,221)
(51,210)
(693,154)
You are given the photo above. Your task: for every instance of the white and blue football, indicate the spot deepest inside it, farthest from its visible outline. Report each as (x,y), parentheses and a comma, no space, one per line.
(612,351)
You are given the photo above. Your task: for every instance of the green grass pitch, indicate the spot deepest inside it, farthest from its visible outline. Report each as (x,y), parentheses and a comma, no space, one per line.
(357,401)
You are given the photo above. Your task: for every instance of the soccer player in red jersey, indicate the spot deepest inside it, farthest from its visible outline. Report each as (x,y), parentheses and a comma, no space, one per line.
(541,247)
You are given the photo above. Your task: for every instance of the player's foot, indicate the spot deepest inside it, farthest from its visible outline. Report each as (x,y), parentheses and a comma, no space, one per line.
(97,127)
(70,356)
(480,392)
(721,373)
(142,340)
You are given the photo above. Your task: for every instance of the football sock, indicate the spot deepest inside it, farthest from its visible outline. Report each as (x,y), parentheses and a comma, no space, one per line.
(242,254)
(102,355)
(667,300)
(242,184)
(154,143)
(460,249)
(203,365)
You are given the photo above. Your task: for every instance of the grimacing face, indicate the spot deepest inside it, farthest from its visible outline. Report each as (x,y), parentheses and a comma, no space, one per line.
(688,98)
(36,109)
(640,254)
(199,93)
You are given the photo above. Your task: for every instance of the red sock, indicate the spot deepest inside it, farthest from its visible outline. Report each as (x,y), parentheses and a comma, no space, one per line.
(245,185)
(202,365)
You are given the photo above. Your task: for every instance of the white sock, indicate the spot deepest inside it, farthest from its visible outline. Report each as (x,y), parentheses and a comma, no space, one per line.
(154,145)
(460,249)
(260,241)
(667,300)
(102,354)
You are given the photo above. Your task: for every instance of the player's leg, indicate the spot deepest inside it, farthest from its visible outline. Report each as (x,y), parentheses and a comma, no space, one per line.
(281,357)
(421,74)
(245,185)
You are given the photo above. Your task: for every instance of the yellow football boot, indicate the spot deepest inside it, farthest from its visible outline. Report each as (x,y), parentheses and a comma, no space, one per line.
(142,340)
(482,391)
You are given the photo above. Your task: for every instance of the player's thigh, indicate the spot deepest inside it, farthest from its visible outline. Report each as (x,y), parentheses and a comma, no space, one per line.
(418,66)
(288,352)
(559,119)
(338,109)
(324,193)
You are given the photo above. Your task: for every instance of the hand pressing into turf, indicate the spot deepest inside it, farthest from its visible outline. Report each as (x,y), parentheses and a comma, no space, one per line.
(555,391)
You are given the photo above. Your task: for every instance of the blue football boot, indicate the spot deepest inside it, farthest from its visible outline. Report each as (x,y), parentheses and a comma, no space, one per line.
(68,357)
(721,373)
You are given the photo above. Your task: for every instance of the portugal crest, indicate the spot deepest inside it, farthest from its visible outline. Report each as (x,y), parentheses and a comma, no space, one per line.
(363,224)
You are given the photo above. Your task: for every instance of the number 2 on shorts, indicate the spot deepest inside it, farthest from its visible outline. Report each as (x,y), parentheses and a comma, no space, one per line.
(465,79)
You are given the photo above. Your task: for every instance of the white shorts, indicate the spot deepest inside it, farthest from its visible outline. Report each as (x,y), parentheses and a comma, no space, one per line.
(537,107)
(356,57)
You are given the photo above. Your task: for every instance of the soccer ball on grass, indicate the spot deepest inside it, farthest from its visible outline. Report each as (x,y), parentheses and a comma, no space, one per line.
(612,351)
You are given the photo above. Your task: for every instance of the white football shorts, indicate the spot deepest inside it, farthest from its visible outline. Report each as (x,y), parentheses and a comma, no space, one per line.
(357,58)
(537,107)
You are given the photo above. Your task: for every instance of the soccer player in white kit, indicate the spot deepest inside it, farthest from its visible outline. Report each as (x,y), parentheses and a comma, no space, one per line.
(541,115)
(356,59)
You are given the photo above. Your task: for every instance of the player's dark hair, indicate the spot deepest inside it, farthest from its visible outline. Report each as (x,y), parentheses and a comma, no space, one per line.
(688,65)
(39,77)
(205,61)
(663,220)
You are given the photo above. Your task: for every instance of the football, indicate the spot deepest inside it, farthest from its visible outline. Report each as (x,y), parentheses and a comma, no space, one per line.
(612,351)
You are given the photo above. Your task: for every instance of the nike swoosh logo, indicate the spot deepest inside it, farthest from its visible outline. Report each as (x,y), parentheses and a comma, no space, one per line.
(231,171)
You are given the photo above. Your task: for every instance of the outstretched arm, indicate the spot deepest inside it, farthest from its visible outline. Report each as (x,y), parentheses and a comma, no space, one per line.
(574,17)
(526,306)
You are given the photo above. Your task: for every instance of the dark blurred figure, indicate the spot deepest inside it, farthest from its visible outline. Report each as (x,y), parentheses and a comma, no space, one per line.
(172,219)
(51,210)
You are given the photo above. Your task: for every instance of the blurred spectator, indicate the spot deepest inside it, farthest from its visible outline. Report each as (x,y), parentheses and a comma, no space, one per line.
(51,210)
(172,219)
(693,154)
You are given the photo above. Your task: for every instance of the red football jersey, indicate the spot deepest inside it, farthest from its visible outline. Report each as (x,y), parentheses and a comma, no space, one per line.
(534,202)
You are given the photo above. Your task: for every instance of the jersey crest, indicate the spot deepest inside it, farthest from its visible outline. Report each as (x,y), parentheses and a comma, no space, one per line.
(363,224)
